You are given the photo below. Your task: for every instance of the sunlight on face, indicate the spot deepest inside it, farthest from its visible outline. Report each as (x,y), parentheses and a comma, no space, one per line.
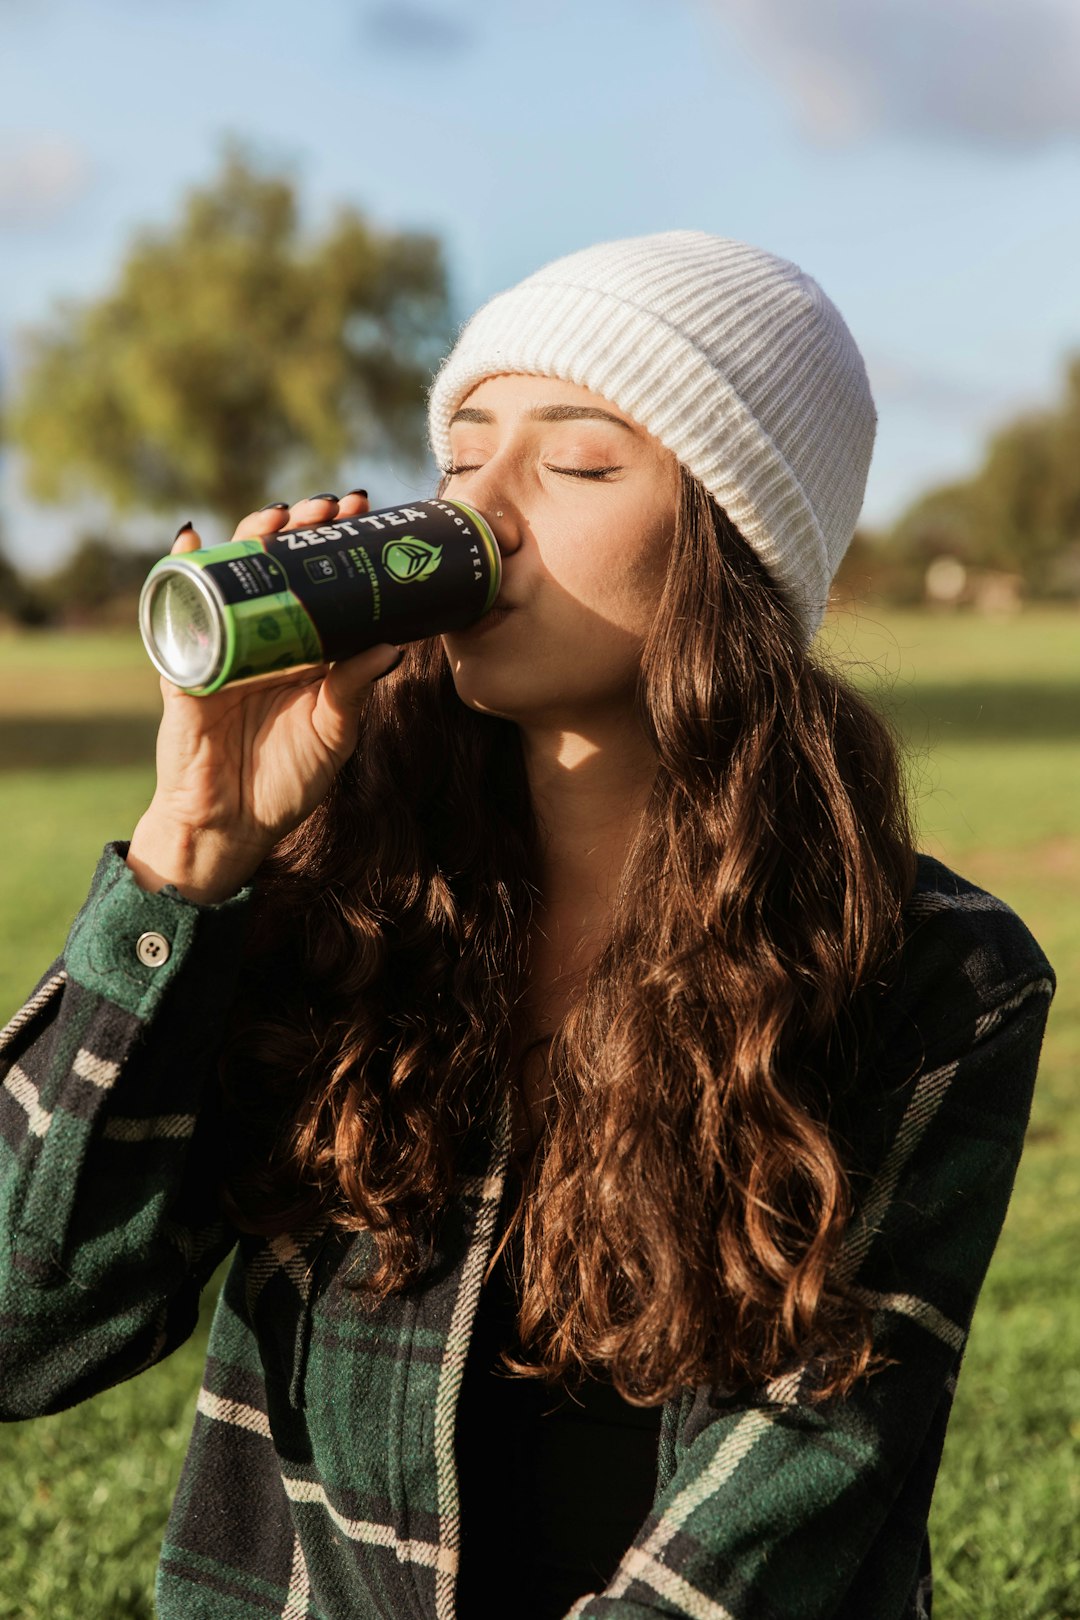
(588,501)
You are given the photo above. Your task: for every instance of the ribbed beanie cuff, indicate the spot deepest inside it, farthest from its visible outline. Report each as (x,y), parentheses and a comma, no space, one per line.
(733,359)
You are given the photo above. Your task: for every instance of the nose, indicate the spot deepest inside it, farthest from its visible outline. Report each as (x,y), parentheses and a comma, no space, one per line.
(506,532)
(499,509)
(503,521)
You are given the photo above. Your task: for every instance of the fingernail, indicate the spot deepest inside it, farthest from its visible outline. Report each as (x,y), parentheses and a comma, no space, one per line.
(389,670)
(362,492)
(323,497)
(183,529)
(275,506)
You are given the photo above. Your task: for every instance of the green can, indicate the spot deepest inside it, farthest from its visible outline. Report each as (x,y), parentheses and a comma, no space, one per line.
(317,594)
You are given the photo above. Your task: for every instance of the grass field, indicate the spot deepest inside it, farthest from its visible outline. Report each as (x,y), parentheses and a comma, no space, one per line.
(991,713)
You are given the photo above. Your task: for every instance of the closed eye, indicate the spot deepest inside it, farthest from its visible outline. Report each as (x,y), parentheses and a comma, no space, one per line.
(567,472)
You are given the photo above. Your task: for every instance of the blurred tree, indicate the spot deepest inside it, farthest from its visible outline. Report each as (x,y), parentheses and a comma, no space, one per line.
(945,521)
(1019,513)
(21,603)
(234,353)
(98,583)
(1018,492)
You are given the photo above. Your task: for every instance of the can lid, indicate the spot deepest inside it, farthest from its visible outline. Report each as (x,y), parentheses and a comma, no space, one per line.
(180,620)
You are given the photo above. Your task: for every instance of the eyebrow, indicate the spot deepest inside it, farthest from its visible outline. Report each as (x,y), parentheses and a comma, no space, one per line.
(545,413)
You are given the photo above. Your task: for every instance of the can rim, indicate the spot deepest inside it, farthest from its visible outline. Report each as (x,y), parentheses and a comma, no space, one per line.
(196,576)
(491,546)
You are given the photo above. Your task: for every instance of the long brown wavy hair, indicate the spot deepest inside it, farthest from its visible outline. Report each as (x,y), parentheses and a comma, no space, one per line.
(683,1213)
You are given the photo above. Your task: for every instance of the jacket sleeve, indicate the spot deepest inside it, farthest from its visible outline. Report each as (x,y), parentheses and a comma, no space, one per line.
(109,1221)
(777,1506)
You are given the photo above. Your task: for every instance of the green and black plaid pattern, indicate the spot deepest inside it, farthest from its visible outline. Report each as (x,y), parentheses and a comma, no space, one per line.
(320,1482)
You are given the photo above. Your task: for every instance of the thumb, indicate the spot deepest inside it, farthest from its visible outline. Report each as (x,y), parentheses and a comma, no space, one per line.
(343,691)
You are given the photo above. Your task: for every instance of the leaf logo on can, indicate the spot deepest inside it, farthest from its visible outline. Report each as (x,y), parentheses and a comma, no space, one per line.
(409,559)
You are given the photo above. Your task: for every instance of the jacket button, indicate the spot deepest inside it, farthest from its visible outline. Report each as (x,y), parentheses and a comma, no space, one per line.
(152,949)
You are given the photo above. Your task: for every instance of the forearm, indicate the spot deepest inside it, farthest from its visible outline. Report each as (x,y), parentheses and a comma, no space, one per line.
(108,1178)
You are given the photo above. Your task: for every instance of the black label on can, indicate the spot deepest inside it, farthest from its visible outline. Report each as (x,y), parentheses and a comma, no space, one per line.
(400,574)
(243,578)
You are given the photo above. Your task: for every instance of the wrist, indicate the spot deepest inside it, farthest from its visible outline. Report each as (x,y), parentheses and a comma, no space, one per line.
(199,864)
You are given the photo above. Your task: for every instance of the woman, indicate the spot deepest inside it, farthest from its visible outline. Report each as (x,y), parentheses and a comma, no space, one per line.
(574,993)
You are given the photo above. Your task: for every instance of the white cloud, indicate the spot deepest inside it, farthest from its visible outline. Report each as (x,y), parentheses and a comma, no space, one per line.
(898,381)
(416,29)
(1004,73)
(41,176)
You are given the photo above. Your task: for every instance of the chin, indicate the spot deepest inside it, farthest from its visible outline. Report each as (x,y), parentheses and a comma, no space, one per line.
(478,690)
(555,693)
(483,682)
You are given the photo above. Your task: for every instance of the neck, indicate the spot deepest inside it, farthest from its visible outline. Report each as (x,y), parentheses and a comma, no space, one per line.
(588,793)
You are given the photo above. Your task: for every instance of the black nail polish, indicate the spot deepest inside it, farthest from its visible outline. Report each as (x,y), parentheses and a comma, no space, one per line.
(362,492)
(322,497)
(275,506)
(183,529)
(391,668)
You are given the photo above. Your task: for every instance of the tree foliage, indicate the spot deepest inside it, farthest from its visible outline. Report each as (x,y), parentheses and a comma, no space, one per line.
(1020,512)
(98,582)
(234,351)
(20,604)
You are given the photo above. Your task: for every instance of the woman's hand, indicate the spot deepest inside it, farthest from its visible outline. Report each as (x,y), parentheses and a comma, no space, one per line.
(242,767)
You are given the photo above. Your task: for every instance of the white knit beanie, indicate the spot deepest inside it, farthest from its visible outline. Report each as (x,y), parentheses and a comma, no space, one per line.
(733,359)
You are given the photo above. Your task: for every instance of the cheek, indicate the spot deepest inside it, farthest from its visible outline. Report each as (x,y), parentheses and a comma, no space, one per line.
(629,602)
(647,566)
(621,573)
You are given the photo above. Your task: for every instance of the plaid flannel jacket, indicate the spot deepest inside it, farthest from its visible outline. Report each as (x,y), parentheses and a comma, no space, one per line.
(320,1480)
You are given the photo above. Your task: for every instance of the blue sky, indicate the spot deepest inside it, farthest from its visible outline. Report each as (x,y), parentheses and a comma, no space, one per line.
(921,159)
